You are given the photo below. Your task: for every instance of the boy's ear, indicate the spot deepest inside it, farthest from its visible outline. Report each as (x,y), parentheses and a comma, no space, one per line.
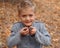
(35,16)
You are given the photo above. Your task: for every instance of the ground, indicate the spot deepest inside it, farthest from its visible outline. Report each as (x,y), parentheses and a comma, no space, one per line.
(47,11)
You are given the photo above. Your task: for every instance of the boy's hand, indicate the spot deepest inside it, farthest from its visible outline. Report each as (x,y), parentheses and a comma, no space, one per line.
(32,30)
(24,31)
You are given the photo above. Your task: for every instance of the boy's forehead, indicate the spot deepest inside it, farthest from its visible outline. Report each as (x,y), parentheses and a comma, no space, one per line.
(27,10)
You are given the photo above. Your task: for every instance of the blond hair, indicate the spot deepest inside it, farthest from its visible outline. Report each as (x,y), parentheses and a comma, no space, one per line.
(25,4)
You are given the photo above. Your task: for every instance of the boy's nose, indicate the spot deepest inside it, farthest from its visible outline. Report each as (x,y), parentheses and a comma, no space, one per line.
(27,18)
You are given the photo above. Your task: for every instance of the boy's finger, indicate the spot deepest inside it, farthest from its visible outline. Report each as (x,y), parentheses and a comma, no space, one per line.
(25,28)
(32,27)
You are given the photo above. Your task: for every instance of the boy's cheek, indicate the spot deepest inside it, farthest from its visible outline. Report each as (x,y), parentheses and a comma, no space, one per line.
(33,18)
(22,19)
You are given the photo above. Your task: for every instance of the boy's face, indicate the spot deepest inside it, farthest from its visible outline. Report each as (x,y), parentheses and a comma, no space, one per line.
(27,16)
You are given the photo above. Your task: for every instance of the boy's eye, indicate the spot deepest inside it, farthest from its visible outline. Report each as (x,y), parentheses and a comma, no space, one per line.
(30,15)
(23,15)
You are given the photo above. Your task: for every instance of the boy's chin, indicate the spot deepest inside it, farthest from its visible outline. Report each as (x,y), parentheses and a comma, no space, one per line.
(28,25)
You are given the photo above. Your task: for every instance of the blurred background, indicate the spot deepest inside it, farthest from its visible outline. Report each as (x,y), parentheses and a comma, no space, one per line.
(47,11)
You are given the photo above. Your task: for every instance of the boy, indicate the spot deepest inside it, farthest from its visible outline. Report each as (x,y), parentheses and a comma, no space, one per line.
(28,33)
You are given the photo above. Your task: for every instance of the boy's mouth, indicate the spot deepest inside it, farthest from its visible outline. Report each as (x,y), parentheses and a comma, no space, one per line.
(28,22)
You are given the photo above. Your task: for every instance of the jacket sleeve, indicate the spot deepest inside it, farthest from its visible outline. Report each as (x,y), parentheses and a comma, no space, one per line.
(42,36)
(14,38)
